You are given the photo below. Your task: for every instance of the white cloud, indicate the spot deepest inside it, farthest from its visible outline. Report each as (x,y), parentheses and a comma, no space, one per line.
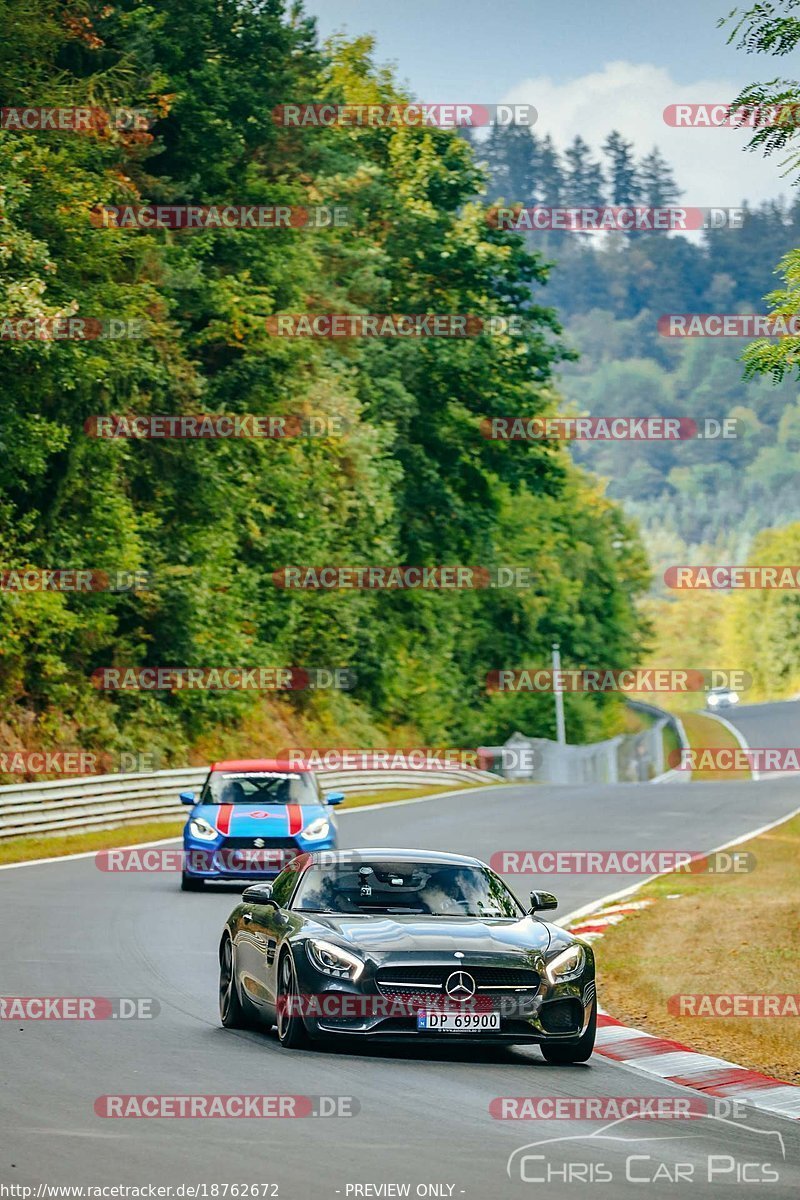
(710,164)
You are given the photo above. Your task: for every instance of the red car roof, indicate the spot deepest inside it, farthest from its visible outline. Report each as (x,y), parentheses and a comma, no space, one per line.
(256,764)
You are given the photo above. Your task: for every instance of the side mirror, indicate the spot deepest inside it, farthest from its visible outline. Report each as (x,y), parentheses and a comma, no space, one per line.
(259,893)
(187,797)
(334,797)
(541,901)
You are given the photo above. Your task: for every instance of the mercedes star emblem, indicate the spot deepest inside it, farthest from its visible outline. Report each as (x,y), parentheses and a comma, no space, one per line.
(460,986)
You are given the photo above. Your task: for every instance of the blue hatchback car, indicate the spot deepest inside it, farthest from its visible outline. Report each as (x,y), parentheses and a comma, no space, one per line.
(253,816)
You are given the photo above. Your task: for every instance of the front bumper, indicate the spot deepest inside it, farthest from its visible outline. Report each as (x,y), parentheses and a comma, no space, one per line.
(540,1012)
(240,859)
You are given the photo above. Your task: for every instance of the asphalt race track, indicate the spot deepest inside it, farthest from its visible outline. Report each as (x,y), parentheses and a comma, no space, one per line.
(766,724)
(70,929)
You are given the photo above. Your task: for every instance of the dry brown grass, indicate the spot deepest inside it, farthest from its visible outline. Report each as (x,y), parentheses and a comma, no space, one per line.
(714,934)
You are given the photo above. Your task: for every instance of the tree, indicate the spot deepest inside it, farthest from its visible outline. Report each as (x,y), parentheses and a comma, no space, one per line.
(763,29)
(412,480)
(762,625)
(550,179)
(491,152)
(583,177)
(521,154)
(510,153)
(656,182)
(770,28)
(622,175)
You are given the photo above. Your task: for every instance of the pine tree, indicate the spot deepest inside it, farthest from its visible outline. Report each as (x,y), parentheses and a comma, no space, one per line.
(622,174)
(657,185)
(550,175)
(583,177)
(521,150)
(511,153)
(491,151)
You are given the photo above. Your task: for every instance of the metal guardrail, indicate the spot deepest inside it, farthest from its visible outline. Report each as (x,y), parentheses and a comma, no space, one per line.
(666,718)
(626,758)
(105,801)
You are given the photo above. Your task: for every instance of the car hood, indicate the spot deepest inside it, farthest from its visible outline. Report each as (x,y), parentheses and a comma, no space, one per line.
(260,820)
(382,937)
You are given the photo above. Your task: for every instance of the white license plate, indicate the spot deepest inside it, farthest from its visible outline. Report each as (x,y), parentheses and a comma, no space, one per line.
(457,1022)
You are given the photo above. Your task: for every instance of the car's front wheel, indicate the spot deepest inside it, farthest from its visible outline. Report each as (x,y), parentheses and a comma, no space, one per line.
(577,1051)
(190,883)
(292,1032)
(231,1012)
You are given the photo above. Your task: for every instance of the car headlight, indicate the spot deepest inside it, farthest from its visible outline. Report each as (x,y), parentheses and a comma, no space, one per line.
(334,960)
(202,830)
(734,697)
(317,829)
(566,965)
(712,700)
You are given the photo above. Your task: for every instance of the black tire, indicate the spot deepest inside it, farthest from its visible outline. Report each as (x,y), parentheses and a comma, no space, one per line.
(232,1013)
(191,884)
(292,1032)
(573,1052)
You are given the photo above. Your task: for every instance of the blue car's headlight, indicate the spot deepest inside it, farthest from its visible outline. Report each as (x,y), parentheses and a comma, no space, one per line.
(317,830)
(334,960)
(566,965)
(201,829)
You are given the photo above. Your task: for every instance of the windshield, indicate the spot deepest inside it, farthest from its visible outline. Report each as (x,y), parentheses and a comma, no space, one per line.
(260,787)
(403,887)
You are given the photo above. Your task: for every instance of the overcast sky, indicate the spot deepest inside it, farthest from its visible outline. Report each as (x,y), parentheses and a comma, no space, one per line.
(587,67)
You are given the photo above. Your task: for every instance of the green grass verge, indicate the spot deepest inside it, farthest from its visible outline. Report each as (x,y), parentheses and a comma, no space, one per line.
(705,733)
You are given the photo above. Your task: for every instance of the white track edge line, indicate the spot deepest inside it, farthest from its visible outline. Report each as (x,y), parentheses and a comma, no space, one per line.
(737,733)
(593,905)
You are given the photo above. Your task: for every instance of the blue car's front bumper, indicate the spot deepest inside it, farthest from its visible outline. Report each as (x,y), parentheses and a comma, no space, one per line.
(228,858)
